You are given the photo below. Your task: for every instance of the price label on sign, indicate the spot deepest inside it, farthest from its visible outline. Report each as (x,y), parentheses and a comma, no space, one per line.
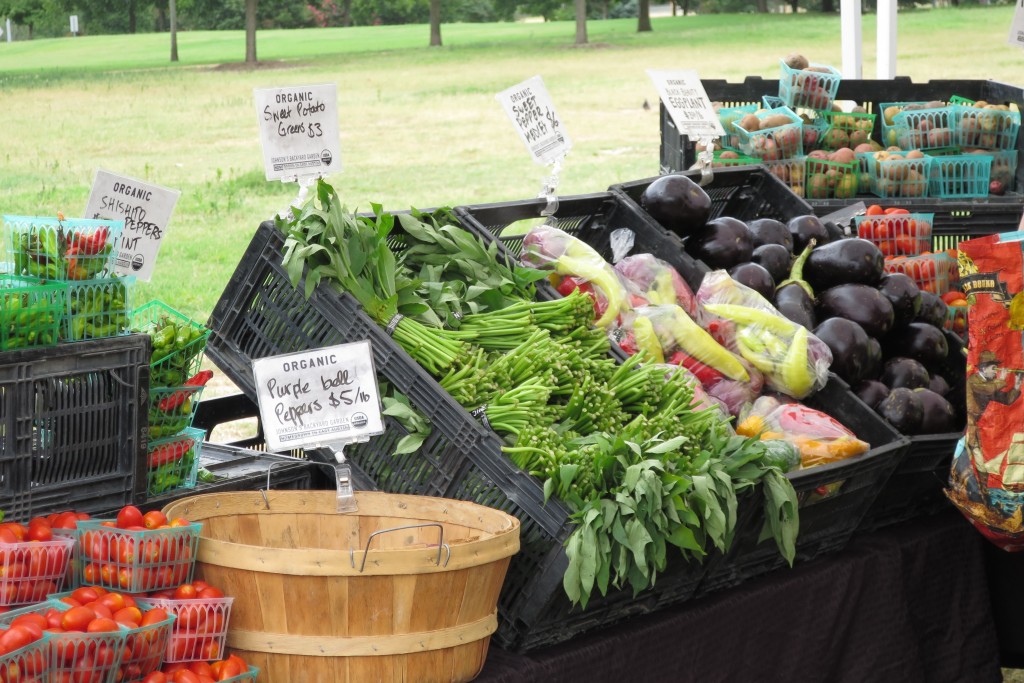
(1017,27)
(299,130)
(687,103)
(321,397)
(146,210)
(529,107)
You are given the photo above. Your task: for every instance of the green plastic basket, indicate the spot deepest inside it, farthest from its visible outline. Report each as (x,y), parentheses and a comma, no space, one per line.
(98,308)
(962,175)
(136,561)
(173,463)
(831,179)
(847,129)
(805,88)
(31,312)
(898,177)
(994,129)
(792,172)
(907,234)
(178,343)
(887,112)
(56,248)
(172,409)
(778,142)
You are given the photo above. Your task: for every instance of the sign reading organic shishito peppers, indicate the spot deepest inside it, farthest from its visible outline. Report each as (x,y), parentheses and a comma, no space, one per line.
(145,209)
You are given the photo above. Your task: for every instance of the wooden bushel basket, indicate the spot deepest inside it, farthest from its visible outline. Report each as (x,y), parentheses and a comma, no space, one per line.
(404,589)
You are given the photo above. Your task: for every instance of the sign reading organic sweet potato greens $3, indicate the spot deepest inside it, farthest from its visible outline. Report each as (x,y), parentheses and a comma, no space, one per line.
(146,209)
(325,397)
(299,131)
(533,115)
(1017,26)
(687,103)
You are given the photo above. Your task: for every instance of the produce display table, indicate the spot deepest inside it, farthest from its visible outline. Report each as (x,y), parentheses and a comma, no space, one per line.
(909,603)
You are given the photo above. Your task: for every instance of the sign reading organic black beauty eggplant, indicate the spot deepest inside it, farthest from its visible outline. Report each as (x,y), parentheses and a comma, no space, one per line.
(146,209)
(1017,26)
(533,115)
(687,103)
(318,398)
(299,130)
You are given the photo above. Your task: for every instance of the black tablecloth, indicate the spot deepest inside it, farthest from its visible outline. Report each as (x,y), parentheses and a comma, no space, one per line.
(906,604)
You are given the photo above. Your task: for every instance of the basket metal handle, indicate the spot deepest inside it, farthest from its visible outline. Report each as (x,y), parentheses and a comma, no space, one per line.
(263,491)
(441,545)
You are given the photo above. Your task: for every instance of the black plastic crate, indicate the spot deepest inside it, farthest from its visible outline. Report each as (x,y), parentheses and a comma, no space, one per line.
(73,425)
(260,314)
(589,217)
(916,488)
(955,219)
(742,192)
(833,498)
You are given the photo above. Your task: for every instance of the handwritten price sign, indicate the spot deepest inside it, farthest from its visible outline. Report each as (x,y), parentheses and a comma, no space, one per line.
(299,130)
(533,115)
(146,210)
(687,103)
(320,397)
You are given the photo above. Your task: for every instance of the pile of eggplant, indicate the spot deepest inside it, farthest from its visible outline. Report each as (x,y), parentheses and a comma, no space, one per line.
(885,334)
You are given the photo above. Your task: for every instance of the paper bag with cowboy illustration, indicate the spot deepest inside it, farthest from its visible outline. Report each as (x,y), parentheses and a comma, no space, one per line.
(987,477)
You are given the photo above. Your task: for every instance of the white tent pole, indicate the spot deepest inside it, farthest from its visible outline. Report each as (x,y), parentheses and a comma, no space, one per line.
(850,17)
(886,39)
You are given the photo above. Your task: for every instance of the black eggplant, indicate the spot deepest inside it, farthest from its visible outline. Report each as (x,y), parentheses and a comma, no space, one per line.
(721,243)
(904,295)
(874,358)
(862,304)
(770,231)
(939,416)
(755,277)
(803,229)
(922,341)
(774,258)
(904,372)
(794,298)
(847,261)
(849,345)
(678,203)
(903,409)
(871,391)
(933,309)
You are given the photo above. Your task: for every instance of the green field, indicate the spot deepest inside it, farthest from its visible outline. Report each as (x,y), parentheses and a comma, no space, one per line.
(419,126)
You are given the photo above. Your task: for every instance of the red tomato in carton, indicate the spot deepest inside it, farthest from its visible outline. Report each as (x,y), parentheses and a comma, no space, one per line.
(129,516)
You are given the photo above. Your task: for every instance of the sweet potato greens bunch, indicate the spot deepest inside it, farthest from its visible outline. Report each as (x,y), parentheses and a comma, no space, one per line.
(622,445)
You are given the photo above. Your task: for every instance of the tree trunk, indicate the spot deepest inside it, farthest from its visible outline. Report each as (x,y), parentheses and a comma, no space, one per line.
(828,6)
(346,13)
(581,22)
(131,17)
(673,5)
(435,23)
(762,6)
(250,31)
(172,10)
(161,20)
(686,7)
(794,4)
(643,22)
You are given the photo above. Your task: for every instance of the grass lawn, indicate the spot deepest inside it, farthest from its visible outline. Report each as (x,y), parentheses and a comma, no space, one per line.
(419,126)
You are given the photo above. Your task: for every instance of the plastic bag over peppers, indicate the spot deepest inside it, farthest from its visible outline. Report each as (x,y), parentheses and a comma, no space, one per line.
(793,361)
(668,335)
(987,475)
(657,281)
(577,265)
(819,437)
